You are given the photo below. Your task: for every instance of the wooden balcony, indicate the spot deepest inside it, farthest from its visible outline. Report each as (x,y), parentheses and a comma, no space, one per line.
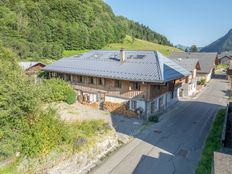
(109,91)
(128,94)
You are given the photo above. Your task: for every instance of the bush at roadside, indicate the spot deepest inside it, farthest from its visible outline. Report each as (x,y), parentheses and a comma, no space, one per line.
(203,82)
(213,143)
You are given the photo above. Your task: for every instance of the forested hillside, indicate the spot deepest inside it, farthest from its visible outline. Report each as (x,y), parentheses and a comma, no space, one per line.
(44,28)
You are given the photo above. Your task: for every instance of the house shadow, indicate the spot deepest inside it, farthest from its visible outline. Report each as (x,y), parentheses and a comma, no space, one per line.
(154,165)
(181,128)
(227,92)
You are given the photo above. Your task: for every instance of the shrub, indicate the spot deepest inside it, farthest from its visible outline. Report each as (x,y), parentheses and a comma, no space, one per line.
(79,133)
(43,135)
(203,82)
(70,96)
(154,119)
(54,90)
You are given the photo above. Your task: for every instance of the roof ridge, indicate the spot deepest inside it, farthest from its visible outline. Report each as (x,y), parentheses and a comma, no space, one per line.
(159,67)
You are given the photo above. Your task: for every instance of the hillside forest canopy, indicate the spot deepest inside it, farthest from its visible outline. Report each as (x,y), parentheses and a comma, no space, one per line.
(44,28)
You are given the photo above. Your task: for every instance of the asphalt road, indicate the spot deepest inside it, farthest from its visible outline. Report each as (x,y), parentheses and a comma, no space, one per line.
(175,143)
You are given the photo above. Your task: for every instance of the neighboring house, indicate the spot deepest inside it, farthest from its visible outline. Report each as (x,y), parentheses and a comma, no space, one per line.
(225,57)
(208,62)
(189,88)
(31,68)
(144,80)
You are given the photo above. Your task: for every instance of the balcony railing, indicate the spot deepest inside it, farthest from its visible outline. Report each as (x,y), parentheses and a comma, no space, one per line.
(109,91)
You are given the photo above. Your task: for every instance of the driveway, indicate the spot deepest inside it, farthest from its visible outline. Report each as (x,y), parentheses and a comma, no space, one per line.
(174,144)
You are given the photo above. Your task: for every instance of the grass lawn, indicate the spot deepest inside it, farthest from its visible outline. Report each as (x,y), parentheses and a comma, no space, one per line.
(9,169)
(213,143)
(73,52)
(138,44)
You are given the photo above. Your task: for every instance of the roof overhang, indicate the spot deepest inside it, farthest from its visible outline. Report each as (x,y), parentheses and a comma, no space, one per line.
(109,77)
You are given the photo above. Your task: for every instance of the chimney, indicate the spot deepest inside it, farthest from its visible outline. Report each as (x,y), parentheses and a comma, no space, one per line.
(122,55)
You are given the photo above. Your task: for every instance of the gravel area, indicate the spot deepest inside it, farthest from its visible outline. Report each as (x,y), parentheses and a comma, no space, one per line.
(122,125)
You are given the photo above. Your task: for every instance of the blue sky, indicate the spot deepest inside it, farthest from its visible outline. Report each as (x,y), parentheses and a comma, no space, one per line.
(184,22)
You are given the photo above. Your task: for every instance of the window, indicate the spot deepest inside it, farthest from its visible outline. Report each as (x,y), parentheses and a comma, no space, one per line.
(67,77)
(74,78)
(100,81)
(91,80)
(136,86)
(80,79)
(53,74)
(118,84)
(61,76)
(133,104)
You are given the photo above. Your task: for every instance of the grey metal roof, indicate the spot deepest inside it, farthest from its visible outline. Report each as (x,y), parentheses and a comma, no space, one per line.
(206,60)
(27,65)
(147,66)
(225,53)
(188,64)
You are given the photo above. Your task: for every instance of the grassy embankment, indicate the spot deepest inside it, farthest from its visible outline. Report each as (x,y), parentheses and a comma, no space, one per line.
(137,44)
(130,44)
(213,143)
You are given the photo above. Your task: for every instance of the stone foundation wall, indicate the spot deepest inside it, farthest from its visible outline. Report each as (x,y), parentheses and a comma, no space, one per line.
(78,163)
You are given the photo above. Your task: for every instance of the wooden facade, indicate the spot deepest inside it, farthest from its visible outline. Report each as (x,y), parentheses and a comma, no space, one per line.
(149,97)
(119,88)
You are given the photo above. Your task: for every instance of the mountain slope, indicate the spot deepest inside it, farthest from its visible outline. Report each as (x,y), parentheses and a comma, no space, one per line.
(220,45)
(46,28)
(136,44)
